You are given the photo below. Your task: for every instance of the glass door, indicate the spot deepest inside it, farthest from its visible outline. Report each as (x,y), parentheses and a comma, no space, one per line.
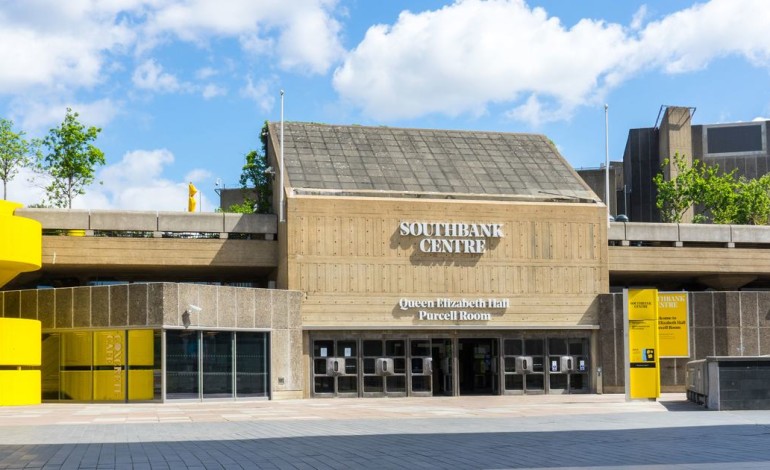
(579,377)
(335,367)
(217,364)
(421,367)
(523,369)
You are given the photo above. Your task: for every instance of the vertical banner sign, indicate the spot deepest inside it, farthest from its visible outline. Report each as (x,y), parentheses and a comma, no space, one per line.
(673,325)
(642,363)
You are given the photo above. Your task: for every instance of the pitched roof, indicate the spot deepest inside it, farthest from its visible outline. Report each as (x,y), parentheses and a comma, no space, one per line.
(354,159)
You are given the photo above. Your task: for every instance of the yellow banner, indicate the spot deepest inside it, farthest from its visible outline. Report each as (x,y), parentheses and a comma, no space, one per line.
(673,324)
(643,362)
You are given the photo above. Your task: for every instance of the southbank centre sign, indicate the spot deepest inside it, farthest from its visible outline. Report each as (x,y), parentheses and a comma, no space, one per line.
(451,237)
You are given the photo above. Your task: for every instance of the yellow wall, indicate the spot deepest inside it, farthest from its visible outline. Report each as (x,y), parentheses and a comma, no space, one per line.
(20,251)
(20,243)
(19,347)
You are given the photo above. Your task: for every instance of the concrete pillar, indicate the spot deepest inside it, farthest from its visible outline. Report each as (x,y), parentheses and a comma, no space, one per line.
(676,138)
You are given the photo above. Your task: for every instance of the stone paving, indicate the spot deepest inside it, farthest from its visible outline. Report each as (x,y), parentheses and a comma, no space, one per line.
(572,431)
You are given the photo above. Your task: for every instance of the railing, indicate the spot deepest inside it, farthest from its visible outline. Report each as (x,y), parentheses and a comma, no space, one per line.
(641,233)
(154,224)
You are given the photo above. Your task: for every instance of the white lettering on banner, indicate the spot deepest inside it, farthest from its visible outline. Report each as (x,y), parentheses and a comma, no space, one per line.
(451,237)
(466,308)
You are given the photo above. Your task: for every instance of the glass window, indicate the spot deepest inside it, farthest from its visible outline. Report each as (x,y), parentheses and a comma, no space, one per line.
(182,364)
(217,364)
(251,364)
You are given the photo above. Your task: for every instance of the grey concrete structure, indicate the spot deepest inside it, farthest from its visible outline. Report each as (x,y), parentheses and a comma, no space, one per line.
(738,146)
(163,305)
(721,324)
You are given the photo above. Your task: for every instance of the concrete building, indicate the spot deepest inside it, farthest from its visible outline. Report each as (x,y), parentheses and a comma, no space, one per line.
(398,262)
(738,146)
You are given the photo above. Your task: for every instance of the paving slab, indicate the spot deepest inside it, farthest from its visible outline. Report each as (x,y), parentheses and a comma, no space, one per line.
(569,431)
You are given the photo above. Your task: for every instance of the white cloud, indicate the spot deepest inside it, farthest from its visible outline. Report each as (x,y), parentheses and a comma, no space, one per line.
(53,44)
(465,56)
(149,75)
(37,117)
(205,73)
(259,93)
(638,19)
(137,183)
(212,91)
(307,33)
(70,45)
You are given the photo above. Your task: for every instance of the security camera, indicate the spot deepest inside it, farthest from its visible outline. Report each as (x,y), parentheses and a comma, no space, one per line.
(194,308)
(218,182)
(269,170)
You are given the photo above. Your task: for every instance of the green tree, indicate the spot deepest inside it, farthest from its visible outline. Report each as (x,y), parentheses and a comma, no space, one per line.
(677,194)
(752,201)
(716,192)
(15,153)
(256,181)
(723,198)
(70,161)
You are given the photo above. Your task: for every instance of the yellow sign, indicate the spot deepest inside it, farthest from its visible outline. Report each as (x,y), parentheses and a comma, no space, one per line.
(642,355)
(673,325)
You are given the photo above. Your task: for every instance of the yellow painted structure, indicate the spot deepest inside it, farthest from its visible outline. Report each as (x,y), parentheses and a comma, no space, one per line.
(20,251)
(19,353)
(21,243)
(101,365)
(642,356)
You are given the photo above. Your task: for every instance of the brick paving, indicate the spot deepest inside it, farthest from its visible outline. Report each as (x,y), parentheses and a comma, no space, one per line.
(578,431)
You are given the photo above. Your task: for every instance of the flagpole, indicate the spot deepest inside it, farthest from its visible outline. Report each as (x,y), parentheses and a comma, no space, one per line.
(607,161)
(280,189)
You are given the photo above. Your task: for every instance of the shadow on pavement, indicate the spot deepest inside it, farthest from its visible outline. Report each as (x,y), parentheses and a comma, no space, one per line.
(727,446)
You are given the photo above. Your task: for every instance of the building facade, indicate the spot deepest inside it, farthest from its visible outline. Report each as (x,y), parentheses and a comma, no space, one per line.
(398,262)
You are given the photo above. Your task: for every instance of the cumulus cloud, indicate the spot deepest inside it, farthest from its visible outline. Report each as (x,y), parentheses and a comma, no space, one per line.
(149,75)
(137,183)
(465,56)
(54,44)
(302,33)
(36,117)
(259,93)
(212,91)
(48,43)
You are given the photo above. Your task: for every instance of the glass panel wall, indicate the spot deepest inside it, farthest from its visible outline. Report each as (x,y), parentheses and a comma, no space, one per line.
(251,364)
(182,364)
(216,364)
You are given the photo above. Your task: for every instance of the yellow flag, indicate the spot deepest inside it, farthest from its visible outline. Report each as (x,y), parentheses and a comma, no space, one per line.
(191,203)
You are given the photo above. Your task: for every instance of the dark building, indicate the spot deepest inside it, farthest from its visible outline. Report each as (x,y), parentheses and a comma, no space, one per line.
(741,146)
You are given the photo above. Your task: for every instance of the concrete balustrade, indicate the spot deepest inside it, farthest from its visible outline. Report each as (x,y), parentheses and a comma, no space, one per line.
(629,233)
(157,222)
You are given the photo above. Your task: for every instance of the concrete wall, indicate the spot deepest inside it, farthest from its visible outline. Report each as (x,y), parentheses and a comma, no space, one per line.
(162,305)
(721,324)
(144,221)
(640,164)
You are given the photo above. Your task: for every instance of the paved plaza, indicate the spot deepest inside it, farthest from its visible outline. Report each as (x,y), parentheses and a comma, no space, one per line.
(572,431)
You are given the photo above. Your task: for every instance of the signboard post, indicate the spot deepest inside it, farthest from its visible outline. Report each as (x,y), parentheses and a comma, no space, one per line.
(642,365)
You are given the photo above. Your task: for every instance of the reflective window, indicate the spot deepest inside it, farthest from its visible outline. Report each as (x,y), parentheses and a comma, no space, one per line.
(182,364)
(251,364)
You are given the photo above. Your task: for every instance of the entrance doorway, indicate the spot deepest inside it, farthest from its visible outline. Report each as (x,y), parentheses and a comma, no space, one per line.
(443,367)
(478,358)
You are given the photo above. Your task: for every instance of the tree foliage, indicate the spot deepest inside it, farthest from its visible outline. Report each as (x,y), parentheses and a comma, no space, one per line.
(256,181)
(724,199)
(15,153)
(70,161)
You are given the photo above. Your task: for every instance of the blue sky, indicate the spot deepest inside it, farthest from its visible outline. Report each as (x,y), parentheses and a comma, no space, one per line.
(181,88)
